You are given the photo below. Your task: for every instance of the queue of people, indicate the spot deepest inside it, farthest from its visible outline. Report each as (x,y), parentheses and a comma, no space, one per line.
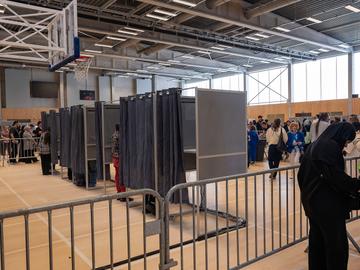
(18,143)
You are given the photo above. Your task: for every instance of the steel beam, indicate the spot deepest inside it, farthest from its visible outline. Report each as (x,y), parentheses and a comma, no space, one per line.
(268,7)
(216,17)
(155,48)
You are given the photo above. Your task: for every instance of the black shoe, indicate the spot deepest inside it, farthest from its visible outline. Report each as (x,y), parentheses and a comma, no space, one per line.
(124,199)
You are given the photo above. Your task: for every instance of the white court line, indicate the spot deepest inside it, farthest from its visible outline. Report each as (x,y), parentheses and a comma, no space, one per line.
(56,231)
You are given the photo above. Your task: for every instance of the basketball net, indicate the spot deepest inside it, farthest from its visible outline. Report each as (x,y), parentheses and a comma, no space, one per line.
(82,68)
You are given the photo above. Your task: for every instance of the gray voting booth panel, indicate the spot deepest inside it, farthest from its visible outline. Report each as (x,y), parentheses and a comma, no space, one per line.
(221,133)
(188,122)
(90,133)
(111,118)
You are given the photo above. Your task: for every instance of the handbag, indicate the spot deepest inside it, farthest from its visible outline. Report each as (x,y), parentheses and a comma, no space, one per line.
(281,146)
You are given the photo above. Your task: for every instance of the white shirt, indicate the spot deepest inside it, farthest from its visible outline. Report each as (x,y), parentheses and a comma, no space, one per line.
(272,136)
(322,126)
(353,148)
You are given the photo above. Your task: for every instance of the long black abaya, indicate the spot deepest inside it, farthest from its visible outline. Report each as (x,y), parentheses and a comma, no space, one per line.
(325,194)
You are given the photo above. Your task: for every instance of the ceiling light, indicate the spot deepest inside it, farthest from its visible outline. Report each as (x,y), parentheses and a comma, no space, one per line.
(93,51)
(103,45)
(344,46)
(279,59)
(2,10)
(224,46)
(247,65)
(187,56)
(152,67)
(261,35)
(165,12)
(353,9)
(203,52)
(157,17)
(165,64)
(217,48)
(134,29)
(265,62)
(184,2)
(141,70)
(252,38)
(313,20)
(132,74)
(282,29)
(116,38)
(314,52)
(324,50)
(122,76)
(127,32)
(86,55)
(174,61)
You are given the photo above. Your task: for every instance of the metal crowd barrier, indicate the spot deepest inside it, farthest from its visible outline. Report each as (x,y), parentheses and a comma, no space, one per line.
(225,223)
(19,150)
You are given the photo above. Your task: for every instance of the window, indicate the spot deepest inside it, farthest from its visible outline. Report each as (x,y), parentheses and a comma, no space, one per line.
(321,80)
(235,83)
(357,73)
(191,92)
(270,86)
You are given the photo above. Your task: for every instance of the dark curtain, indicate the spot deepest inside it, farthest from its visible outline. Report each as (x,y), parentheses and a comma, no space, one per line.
(169,141)
(77,142)
(44,120)
(98,138)
(53,122)
(136,142)
(65,138)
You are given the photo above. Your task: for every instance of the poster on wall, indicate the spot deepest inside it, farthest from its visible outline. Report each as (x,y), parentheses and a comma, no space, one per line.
(87,95)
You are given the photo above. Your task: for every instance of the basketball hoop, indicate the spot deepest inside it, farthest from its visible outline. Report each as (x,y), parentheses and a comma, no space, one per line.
(82,67)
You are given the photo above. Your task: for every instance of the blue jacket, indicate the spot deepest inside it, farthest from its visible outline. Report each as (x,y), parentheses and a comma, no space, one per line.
(297,137)
(253,138)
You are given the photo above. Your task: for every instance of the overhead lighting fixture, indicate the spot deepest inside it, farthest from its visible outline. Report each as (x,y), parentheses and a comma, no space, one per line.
(165,12)
(103,45)
(248,66)
(203,52)
(265,62)
(224,46)
(252,38)
(2,10)
(132,74)
(313,20)
(184,2)
(157,17)
(217,48)
(122,76)
(352,8)
(261,35)
(141,70)
(282,29)
(173,61)
(134,29)
(324,50)
(279,59)
(128,32)
(93,51)
(188,56)
(165,64)
(314,52)
(152,67)
(116,38)
(344,46)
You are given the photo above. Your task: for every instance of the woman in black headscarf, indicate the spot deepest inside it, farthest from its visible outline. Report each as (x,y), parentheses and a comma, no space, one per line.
(327,194)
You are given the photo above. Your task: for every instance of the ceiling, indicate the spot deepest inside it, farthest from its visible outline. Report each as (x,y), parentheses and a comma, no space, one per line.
(211,37)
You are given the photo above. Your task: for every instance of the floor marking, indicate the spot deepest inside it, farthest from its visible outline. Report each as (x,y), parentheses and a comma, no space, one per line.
(57,232)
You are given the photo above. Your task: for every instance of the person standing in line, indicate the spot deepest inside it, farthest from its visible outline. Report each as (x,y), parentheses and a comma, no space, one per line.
(353,149)
(37,131)
(319,126)
(28,144)
(295,143)
(5,141)
(258,123)
(45,155)
(253,140)
(14,141)
(273,136)
(328,195)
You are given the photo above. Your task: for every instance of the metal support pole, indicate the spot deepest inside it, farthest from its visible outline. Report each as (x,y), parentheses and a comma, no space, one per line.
(103,145)
(155,152)
(290,88)
(350,82)
(85,148)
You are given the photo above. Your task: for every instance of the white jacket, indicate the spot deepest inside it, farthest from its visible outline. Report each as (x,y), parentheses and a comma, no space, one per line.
(353,148)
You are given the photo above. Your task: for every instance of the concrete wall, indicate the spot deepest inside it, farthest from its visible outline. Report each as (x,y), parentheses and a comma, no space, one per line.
(17,88)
